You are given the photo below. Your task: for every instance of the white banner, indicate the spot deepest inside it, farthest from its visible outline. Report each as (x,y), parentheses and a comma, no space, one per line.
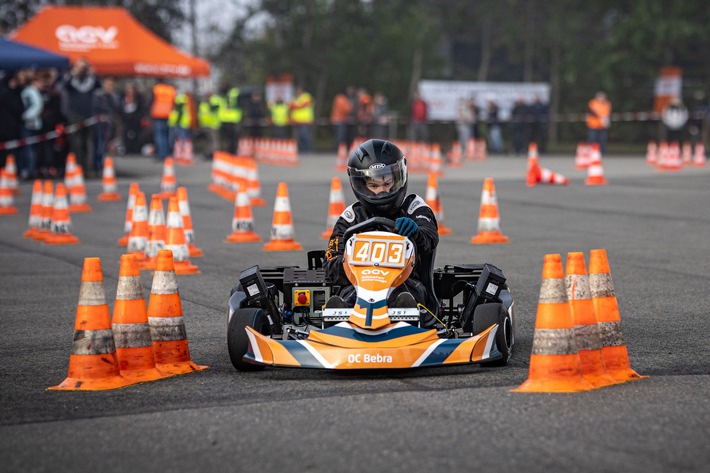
(442,97)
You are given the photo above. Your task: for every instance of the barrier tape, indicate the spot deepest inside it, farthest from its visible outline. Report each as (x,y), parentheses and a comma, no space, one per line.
(54,134)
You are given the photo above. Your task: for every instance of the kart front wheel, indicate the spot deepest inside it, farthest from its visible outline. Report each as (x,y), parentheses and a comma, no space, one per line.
(237,339)
(486,315)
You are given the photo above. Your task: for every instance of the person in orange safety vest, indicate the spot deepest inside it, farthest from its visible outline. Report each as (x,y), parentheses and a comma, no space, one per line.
(160,109)
(598,120)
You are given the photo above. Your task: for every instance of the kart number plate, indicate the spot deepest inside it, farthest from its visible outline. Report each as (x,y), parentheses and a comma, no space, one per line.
(372,252)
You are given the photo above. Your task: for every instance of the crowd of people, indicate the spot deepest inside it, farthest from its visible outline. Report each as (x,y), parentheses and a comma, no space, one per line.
(355,112)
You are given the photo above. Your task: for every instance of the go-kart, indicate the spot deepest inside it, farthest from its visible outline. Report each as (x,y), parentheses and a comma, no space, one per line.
(292,317)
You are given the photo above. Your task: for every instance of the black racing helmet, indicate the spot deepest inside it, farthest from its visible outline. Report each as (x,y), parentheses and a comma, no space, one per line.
(378,160)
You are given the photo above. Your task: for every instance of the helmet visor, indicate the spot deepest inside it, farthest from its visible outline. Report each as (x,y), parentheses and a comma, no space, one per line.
(379,181)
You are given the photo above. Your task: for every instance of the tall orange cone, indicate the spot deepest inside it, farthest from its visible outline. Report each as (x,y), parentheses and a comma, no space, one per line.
(253,183)
(45,225)
(242,222)
(282,231)
(614,351)
(489,220)
(336,206)
(651,153)
(131,332)
(133,191)
(435,163)
(60,228)
(184,205)
(554,361)
(35,219)
(699,159)
(11,172)
(581,158)
(587,331)
(167,326)
(168,183)
(342,158)
(176,242)
(108,181)
(433,201)
(157,233)
(595,171)
(533,172)
(138,239)
(93,364)
(77,192)
(7,201)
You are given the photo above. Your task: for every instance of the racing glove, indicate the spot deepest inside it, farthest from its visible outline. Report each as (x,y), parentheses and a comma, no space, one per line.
(405,226)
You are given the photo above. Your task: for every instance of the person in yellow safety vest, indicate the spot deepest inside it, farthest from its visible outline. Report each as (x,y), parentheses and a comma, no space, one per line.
(209,121)
(279,117)
(302,116)
(230,117)
(181,119)
(161,106)
(598,120)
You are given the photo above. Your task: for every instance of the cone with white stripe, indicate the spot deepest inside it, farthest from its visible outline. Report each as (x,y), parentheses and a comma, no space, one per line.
(60,228)
(336,206)
(699,159)
(133,191)
(282,230)
(93,364)
(533,172)
(489,219)
(11,173)
(184,205)
(157,233)
(651,153)
(165,317)
(432,199)
(138,238)
(548,176)
(242,221)
(176,242)
(77,192)
(108,182)
(342,158)
(581,159)
(45,225)
(595,171)
(7,201)
(168,183)
(35,219)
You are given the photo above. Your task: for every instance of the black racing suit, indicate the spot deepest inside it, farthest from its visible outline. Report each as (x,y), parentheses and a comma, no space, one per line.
(426,239)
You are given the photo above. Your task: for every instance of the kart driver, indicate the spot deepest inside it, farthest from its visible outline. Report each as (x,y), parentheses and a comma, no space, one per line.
(378,176)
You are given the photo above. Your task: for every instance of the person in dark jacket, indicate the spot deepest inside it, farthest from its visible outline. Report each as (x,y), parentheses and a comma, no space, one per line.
(11,110)
(378,176)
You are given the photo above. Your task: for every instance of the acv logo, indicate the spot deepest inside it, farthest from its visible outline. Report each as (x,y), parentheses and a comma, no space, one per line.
(87,36)
(381,272)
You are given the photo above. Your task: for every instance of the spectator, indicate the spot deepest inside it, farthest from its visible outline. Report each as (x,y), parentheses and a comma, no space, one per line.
(257,115)
(538,118)
(598,120)
(11,109)
(51,156)
(380,116)
(339,115)
(475,111)
(80,85)
(161,106)
(418,127)
(495,137)
(464,123)
(106,106)
(518,121)
(279,111)
(697,118)
(32,118)
(364,113)
(208,116)
(674,117)
(302,116)
(132,118)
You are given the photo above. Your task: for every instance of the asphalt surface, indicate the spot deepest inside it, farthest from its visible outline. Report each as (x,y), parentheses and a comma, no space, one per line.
(654,225)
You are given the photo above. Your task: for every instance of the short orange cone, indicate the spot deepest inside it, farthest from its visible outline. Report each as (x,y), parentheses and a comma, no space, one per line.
(243,221)
(11,170)
(282,231)
(554,362)
(168,183)
(587,331)
(35,219)
(60,228)
(128,222)
(336,206)
(45,225)
(651,153)
(157,233)
(342,158)
(253,183)
(167,326)
(175,241)
(131,332)
(108,181)
(533,172)
(614,351)
(93,364)
(7,201)
(138,238)
(184,205)
(581,158)
(433,201)
(77,192)
(595,171)
(699,159)
(489,220)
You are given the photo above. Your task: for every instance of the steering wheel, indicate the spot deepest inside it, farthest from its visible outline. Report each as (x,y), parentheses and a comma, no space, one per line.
(371,224)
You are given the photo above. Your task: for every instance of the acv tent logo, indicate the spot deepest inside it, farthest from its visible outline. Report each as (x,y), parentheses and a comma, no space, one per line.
(86,37)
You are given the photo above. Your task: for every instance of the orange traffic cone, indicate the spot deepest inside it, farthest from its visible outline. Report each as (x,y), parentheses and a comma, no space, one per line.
(242,222)
(699,159)
(489,220)
(551,177)
(35,219)
(138,238)
(342,158)
(157,233)
(175,241)
(282,231)
(108,182)
(168,183)
(60,228)
(11,173)
(133,191)
(336,206)
(455,155)
(614,351)
(93,364)
(533,173)
(587,331)
(581,158)
(184,205)
(554,362)
(7,201)
(131,332)
(45,225)
(435,164)
(253,183)
(167,326)
(651,153)
(77,192)
(595,171)
(433,201)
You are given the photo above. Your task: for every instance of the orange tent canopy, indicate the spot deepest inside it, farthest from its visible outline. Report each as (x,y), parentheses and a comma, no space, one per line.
(111,40)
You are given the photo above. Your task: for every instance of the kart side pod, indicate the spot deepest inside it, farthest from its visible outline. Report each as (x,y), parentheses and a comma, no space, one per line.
(487,289)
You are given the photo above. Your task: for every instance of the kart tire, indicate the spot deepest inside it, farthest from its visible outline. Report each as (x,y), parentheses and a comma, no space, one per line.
(237,339)
(486,315)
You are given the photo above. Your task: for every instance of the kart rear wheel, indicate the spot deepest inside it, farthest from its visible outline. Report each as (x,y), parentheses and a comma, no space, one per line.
(486,315)
(237,339)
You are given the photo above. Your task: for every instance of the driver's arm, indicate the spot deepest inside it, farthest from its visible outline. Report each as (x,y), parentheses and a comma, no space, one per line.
(334,254)
(427,236)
